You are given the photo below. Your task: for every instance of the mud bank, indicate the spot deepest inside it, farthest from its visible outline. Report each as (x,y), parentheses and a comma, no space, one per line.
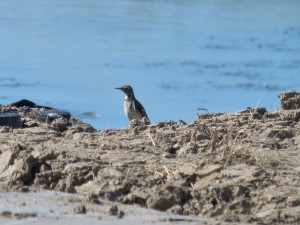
(239,167)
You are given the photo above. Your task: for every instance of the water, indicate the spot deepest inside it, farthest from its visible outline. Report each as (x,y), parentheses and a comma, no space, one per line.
(178,55)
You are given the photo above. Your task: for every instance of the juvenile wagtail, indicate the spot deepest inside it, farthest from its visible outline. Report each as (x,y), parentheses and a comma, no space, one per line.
(132,107)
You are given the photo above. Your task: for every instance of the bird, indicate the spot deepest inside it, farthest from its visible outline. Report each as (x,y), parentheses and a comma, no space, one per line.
(132,107)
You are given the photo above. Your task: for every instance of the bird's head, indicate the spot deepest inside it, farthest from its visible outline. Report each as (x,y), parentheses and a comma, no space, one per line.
(127,89)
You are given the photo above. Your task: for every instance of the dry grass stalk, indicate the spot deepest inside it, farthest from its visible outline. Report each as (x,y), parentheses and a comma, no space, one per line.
(214,140)
(21,143)
(258,103)
(166,169)
(227,140)
(231,156)
(152,140)
(158,173)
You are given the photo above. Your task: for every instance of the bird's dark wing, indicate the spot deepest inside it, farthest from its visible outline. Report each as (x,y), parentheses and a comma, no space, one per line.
(138,107)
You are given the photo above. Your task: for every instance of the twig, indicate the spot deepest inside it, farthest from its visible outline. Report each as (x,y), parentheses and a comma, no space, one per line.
(153,142)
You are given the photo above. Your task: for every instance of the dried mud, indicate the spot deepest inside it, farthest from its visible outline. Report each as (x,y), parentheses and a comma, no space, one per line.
(239,167)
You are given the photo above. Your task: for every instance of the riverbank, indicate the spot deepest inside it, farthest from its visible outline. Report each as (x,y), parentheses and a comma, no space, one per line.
(238,167)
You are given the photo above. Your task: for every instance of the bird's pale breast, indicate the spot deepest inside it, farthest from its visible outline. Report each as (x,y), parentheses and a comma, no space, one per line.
(130,111)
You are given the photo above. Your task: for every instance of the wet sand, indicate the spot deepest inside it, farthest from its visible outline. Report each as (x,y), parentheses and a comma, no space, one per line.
(50,207)
(241,167)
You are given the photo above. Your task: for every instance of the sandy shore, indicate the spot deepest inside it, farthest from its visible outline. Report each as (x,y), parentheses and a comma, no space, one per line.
(242,167)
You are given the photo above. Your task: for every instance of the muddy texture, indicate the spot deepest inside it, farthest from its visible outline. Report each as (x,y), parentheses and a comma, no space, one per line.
(239,167)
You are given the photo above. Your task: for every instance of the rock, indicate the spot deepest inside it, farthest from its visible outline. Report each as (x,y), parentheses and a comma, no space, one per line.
(139,197)
(221,194)
(160,202)
(121,214)
(29,114)
(6,159)
(22,215)
(93,199)
(77,127)
(176,209)
(293,201)
(199,136)
(6,214)
(182,123)
(10,119)
(60,124)
(48,179)
(181,195)
(190,148)
(29,123)
(5,129)
(42,113)
(49,115)
(113,210)
(23,103)
(81,209)
(291,115)
(289,100)
(279,133)
(209,169)
(20,169)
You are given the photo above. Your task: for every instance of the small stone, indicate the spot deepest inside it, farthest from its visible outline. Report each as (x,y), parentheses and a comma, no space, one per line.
(121,214)
(93,199)
(81,209)
(22,215)
(113,211)
(293,201)
(182,123)
(169,156)
(6,213)
(160,202)
(177,209)
(4,129)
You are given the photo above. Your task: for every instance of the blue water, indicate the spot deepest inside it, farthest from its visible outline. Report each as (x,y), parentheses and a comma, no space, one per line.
(178,55)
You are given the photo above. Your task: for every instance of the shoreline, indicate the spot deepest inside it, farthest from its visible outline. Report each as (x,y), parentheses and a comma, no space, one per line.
(240,167)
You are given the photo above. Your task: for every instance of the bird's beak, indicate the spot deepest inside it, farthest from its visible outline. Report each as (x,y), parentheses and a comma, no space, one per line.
(118,88)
